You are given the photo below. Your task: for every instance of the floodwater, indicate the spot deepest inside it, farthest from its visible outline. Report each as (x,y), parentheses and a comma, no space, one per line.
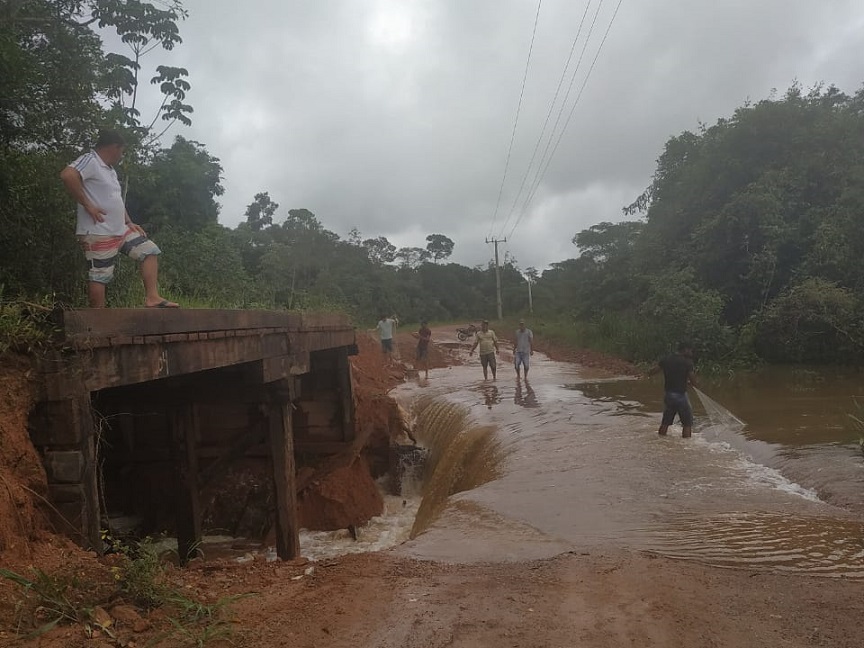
(575,464)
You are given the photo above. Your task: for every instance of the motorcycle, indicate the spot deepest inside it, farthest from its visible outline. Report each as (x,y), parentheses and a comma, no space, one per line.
(466,332)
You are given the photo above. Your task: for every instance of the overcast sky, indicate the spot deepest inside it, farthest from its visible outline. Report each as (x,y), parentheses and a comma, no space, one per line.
(395,116)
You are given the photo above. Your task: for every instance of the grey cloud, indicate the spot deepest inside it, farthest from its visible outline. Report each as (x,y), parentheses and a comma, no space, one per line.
(394,115)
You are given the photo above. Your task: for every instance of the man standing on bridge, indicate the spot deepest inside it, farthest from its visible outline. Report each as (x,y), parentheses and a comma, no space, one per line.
(486,339)
(104,227)
(523,348)
(678,372)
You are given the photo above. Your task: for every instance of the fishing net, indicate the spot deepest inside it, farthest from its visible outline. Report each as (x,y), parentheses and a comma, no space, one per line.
(718,414)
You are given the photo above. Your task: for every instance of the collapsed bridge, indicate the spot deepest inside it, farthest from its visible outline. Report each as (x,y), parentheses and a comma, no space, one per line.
(143,409)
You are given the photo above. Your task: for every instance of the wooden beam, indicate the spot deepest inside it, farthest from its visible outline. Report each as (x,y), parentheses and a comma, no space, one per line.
(284,478)
(83,324)
(184,432)
(106,367)
(343,367)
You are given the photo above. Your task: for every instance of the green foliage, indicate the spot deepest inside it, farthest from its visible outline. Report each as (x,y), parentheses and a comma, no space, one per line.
(51,599)
(141,576)
(815,321)
(178,187)
(260,213)
(751,241)
(24,327)
(439,247)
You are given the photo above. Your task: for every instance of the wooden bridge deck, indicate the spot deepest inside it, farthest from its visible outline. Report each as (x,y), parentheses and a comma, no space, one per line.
(113,347)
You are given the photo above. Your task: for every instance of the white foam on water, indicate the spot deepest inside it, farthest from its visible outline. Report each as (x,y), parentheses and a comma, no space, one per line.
(757,473)
(774,478)
(388,530)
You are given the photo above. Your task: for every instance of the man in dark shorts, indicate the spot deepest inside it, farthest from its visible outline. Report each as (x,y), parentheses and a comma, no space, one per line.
(678,372)
(424,337)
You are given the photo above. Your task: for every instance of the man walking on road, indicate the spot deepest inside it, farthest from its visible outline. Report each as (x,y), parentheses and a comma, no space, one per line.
(104,226)
(486,339)
(678,372)
(522,348)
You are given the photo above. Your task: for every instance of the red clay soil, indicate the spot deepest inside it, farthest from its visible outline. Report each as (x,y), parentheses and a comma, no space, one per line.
(23,485)
(345,497)
(590,358)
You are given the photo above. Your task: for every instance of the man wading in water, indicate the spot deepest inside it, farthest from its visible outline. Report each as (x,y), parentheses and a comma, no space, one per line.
(678,372)
(522,348)
(488,342)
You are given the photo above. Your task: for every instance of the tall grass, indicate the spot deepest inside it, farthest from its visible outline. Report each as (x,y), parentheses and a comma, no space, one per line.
(24,326)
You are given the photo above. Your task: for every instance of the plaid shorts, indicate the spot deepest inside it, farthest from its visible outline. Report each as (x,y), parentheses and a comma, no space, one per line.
(101,252)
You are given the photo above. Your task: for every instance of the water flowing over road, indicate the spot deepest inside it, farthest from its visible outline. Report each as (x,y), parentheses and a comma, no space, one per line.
(583,468)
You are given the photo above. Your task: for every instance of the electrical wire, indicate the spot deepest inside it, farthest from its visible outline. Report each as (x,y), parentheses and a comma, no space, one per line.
(552,107)
(566,123)
(516,121)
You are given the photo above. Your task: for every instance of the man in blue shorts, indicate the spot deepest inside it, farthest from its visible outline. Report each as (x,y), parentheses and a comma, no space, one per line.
(522,348)
(104,226)
(678,372)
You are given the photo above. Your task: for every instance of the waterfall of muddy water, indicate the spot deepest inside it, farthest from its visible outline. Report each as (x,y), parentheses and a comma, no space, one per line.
(462,456)
(579,466)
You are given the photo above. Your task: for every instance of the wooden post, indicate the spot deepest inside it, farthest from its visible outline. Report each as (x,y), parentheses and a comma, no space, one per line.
(184,431)
(343,366)
(284,472)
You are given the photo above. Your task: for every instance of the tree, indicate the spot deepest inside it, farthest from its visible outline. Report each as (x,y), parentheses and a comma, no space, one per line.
(355,238)
(380,250)
(260,212)
(178,188)
(439,247)
(411,257)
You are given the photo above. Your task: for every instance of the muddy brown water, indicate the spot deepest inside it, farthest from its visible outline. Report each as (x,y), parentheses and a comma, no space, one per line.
(584,470)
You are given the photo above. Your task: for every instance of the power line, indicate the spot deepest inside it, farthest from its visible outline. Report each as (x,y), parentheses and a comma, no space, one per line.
(516,121)
(569,117)
(545,156)
(551,108)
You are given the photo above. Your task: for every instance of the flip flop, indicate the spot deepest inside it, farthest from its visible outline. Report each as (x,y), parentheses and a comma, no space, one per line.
(164,304)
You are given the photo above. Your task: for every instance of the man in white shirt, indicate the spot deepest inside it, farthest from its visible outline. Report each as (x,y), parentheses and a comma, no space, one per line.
(522,348)
(104,227)
(385,334)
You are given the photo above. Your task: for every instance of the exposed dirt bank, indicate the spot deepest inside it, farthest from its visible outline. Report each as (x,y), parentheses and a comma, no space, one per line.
(596,360)
(23,485)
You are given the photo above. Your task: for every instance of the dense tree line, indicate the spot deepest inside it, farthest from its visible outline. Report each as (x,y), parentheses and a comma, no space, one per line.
(750,241)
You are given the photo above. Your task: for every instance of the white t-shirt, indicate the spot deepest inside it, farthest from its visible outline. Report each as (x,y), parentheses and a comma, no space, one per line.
(523,341)
(103,189)
(385,329)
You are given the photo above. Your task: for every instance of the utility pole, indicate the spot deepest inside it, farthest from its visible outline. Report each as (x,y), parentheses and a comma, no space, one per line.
(530,300)
(498,274)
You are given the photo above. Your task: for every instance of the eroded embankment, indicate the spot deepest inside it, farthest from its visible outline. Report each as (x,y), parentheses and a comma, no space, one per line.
(23,485)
